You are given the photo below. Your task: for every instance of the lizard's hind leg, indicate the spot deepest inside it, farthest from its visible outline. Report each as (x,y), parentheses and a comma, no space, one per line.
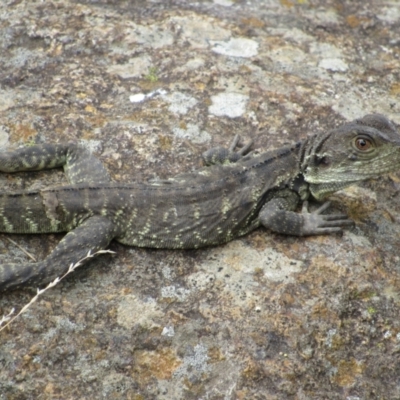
(92,235)
(79,164)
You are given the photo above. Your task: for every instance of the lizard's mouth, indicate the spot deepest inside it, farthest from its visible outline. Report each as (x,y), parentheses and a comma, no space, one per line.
(322,190)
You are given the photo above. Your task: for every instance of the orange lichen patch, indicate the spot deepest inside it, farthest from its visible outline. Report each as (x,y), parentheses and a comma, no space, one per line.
(100,355)
(395,89)
(27,359)
(136,396)
(395,177)
(254,22)
(353,21)
(347,372)
(323,264)
(392,291)
(90,109)
(159,364)
(322,311)
(287,3)
(287,299)
(49,389)
(23,133)
(208,313)
(259,240)
(242,394)
(97,119)
(200,86)
(235,262)
(291,250)
(196,387)
(165,142)
(35,349)
(359,202)
(235,312)
(371,262)
(363,291)
(176,317)
(252,371)
(89,341)
(106,106)
(215,355)
(148,85)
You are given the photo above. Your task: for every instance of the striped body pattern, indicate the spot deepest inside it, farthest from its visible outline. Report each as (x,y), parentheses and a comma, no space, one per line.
(234,194)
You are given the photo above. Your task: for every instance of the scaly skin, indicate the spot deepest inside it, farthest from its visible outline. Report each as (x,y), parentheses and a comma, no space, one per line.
(235,194)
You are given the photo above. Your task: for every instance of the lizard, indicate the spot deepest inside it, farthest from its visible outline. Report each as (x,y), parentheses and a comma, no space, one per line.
(236,192)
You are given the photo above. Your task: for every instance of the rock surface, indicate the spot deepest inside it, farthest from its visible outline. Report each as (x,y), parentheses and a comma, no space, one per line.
(148,86)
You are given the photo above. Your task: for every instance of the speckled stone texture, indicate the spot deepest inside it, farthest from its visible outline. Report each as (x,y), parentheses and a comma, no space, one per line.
(148,86)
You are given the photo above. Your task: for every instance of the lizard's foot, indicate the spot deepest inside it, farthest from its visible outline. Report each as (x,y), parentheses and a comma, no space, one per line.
(222,155)
(317,224)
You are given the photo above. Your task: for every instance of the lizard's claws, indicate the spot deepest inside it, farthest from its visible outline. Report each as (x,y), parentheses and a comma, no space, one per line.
(316,223)
(222,155)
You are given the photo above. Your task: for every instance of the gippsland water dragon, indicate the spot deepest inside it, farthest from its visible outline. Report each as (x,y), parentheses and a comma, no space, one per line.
(236,193)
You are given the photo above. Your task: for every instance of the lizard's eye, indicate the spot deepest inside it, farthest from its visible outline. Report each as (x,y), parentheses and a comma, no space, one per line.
(362,144)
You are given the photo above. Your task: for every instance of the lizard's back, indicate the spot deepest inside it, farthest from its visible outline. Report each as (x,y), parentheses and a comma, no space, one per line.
(196,209)
(206,207)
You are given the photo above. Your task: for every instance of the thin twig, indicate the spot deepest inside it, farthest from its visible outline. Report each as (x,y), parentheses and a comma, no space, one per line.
(22,249)
(8,319)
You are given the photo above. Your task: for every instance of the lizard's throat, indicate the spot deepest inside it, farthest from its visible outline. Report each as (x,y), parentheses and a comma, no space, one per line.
(322,190)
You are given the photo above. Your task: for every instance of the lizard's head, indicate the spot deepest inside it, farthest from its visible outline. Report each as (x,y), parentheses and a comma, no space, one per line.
(362,149)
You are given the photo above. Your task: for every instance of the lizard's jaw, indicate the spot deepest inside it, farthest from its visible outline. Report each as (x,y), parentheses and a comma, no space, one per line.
(322,190)
(325,180)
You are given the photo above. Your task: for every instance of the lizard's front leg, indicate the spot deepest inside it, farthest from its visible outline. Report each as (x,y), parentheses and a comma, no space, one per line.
(278,215)
(92,235)
(222,155)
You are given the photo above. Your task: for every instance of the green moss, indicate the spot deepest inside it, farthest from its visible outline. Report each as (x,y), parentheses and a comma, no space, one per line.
(371,310)
(152,75)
